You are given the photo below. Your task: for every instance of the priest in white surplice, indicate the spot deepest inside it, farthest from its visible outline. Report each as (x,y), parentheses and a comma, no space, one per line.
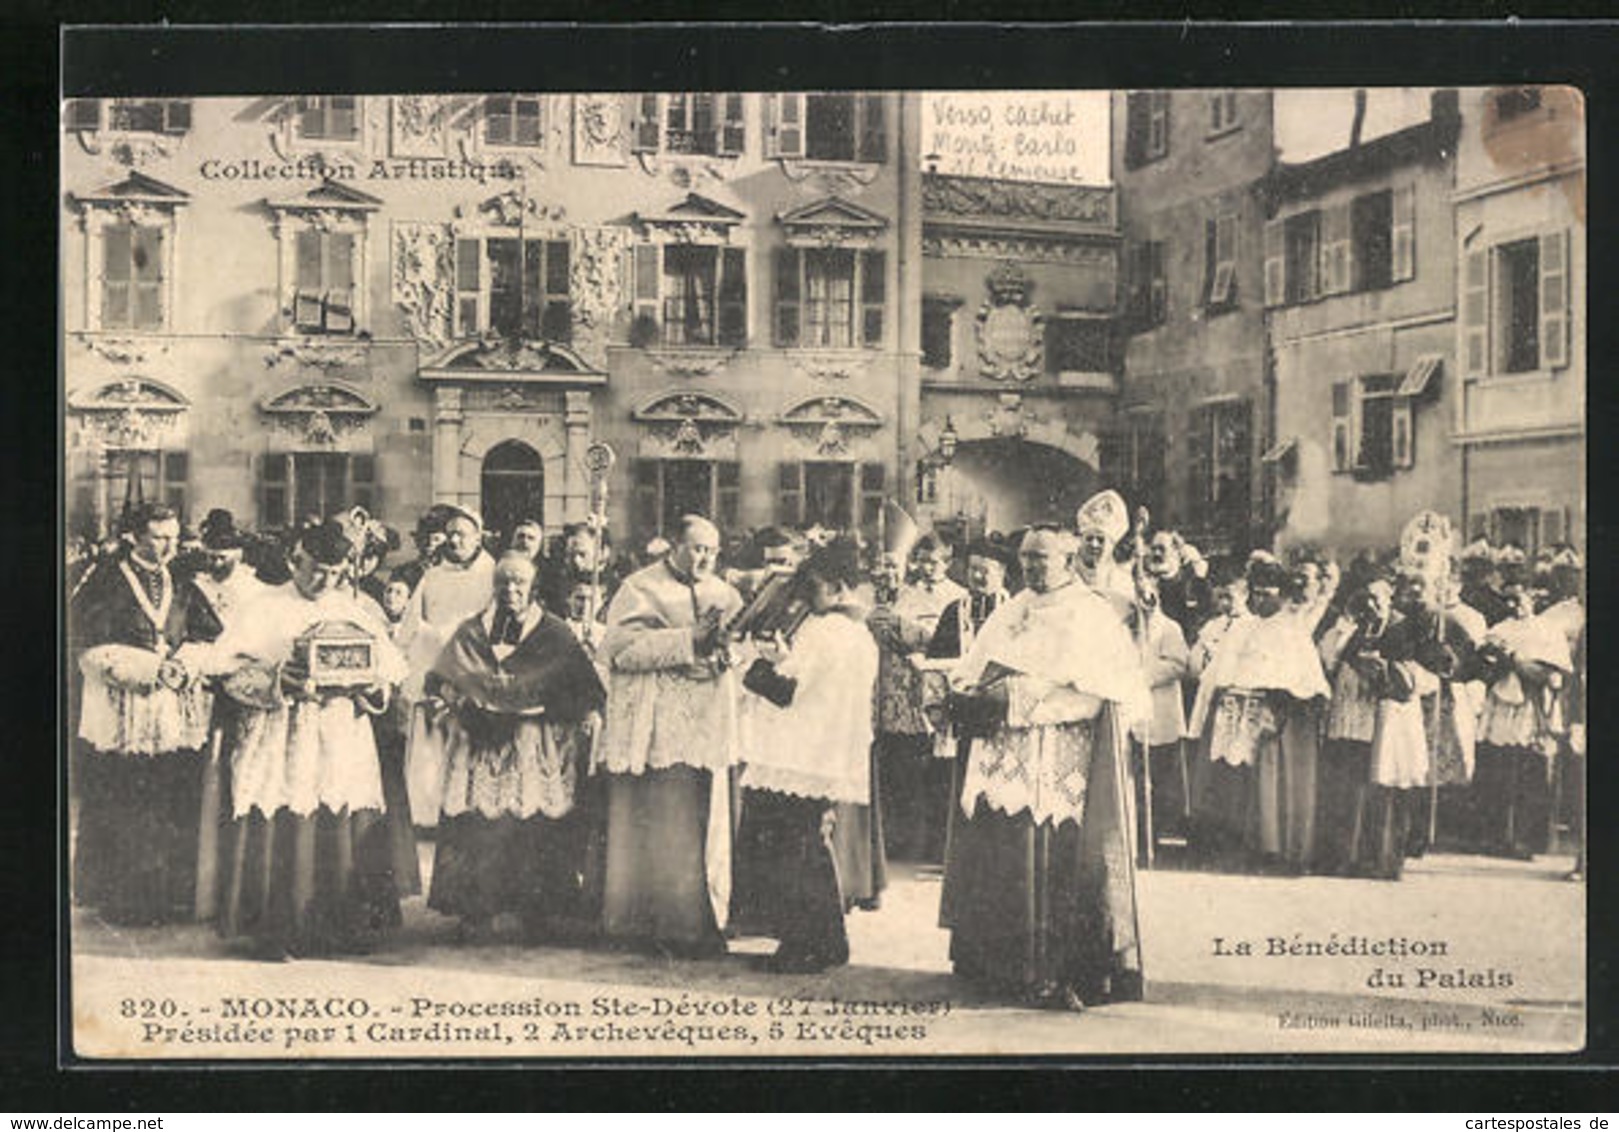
(1041,883)
(668,744)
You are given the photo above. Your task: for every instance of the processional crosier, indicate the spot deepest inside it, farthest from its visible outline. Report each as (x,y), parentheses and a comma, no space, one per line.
(1426,546)
(599,461)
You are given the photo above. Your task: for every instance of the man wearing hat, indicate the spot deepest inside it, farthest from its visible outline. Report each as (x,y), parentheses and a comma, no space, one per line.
(305,862)
(1101,523)
(450,592)
(223,580)
(429,540)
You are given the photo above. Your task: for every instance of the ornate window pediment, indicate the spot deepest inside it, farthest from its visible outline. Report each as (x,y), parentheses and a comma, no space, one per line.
(692,219)
(329,195)
(512,360)
(129,233)
(832,222)
(321,415)
(706,408)
(826,421)
(137,189)
(135,412)
(689,425)
(850,412)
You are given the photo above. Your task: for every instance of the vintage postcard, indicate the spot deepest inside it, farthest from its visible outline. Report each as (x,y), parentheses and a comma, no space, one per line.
(825,574)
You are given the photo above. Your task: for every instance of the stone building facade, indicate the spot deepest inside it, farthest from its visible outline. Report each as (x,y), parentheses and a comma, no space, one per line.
(287,306)
(1189,166)
(1360,288)
(1520,247)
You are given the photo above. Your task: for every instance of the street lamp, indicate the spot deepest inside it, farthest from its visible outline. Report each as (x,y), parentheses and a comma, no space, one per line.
(948,439)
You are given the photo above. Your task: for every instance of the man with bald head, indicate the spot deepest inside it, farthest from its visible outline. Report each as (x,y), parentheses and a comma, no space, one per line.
(668,744)
(1040,890)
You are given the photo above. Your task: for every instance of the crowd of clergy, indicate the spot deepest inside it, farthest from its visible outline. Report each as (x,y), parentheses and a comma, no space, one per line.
(614,751)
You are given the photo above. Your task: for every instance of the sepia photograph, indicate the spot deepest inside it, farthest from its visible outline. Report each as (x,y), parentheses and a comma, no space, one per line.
(824,574)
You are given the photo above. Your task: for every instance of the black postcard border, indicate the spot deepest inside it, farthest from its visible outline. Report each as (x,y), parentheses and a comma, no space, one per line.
(110,60)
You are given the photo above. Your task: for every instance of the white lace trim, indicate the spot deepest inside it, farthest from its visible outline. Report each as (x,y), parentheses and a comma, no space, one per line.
(656,720)
(133,720)
(536,773)
(305,756)
(1243,723)
(802,784)
(1043,771)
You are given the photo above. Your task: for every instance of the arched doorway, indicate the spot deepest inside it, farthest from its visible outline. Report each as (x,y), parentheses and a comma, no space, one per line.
(1005,483)
(512,487)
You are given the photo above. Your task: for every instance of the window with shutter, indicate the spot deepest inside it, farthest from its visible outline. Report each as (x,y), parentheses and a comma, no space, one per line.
(468,288)
(646,130)
(173,470)
(648,503)
(132,277)
(937,325)
(873,135)
(790,494)
(648,269)
(335,118)
(786,117)
(1220,278)
(1553,526)
(1157,284)
(323,291)
(1518,306)
(1375,424)
(873,289)
(1157,125)
(1371,217)
(513,121)
(1335,249)
(83,114)
(788,296)
(1554,280)
(732,130)
(728,494)
(1403,234)
(873,491)
(1275,264)
(1302,239)
(1403,436)
(1343,450)
(273,491)
(733,328)
(1136,113)
(1475,314)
